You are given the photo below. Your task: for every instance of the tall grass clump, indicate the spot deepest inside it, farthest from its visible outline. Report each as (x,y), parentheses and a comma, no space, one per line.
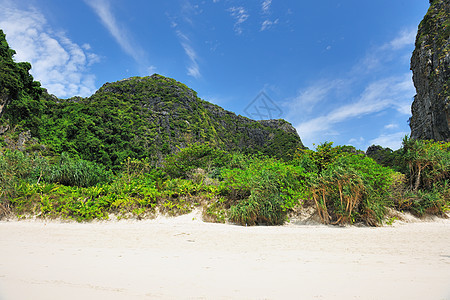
(77,172)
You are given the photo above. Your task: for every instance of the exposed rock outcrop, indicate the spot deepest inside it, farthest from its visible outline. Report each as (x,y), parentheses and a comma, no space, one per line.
(175,116)
(431,75)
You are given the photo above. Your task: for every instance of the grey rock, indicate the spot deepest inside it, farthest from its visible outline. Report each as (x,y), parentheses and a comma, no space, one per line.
(431,75)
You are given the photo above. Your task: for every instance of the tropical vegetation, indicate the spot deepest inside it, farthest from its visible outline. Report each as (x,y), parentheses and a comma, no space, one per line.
(148,146)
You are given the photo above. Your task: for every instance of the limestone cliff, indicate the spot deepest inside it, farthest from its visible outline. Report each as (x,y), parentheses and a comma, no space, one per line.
(166,115)
(136,117)
(430,66)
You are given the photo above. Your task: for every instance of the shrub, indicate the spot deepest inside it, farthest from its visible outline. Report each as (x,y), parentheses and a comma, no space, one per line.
(428,162)
(193,157)
(346,187)
(264,191)
(259,208)
(77,172)
(16,168)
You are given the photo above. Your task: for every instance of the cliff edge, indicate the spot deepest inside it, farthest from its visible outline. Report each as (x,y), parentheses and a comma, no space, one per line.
(430,66)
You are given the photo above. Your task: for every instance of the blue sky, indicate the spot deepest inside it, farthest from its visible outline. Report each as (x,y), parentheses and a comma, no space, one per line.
(337,70)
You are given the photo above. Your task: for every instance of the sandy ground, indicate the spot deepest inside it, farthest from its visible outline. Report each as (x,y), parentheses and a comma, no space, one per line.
(184,258)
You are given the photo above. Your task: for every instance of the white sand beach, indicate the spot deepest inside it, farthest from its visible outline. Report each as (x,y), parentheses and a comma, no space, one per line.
(185,258)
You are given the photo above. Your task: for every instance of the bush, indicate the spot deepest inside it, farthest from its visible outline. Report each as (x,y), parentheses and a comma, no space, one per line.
(17,168)
(195,156)
(260,208)
(264,191)
(346,187)
(428,162)
(77,172)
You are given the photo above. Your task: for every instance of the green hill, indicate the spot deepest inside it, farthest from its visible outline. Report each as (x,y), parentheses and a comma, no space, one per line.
(136,117)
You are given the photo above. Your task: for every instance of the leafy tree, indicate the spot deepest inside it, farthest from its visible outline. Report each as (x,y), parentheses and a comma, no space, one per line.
(345,185)
(19,93)
(428,162)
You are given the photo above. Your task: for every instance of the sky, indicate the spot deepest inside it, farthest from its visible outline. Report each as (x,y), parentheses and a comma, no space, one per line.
(337,70)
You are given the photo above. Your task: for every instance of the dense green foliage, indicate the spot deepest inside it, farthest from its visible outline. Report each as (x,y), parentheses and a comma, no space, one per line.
(345,187)
(387,158)
(19,94)
(428,162)
(423,186)
(196,156)
(149,145)
(435,26)
(148,117)
(263,190)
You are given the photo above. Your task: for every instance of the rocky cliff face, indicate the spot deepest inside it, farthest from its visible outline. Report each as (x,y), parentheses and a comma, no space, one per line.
(173,116)
(431,75)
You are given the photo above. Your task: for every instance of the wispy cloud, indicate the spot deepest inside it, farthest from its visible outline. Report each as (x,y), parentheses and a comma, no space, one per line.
(180,24)
(120,34)
(405,38)
(193,68)
(61,65)
(266,11)
(381,55)
(240,15)
(380,91)
(391,126)
(314,94)
(393,141)
(377,96)
(267,24)
(265,6)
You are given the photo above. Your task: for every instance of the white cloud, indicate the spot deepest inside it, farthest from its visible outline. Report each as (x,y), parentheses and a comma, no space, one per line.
(391,126)
(268,24)
(265,6)
(58,63)
(86,46)
(381,55)
(307,99)
(377,96)
(381,90)
(240,15)
(405,38)
(393,141)
(103,10)
(187,11)
(193,68)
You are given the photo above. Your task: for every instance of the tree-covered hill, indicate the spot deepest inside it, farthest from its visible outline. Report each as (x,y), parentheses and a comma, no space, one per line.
(143,146)
(137,117)
(18,92)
